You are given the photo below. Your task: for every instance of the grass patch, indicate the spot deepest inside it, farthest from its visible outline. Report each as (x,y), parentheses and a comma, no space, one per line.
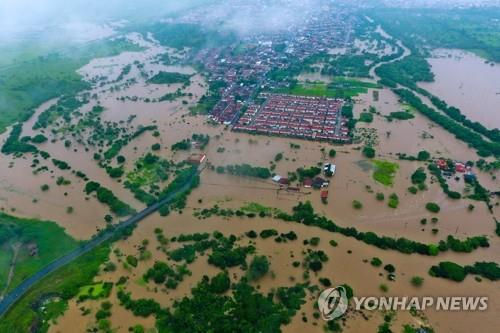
(95,291)
(65,282)
(384,172)
(49,239)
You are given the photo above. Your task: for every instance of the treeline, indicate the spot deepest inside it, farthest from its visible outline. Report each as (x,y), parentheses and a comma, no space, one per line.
(304,213)
(107,197)
(452,271)
(422,155)
(455,114)
(245,170)
(483,147)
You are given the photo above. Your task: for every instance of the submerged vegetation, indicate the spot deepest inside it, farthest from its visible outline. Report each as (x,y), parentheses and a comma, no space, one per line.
(27,85)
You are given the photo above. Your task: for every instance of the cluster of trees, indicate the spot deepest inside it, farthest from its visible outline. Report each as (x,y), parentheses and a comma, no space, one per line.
(141,307)
(61,164)
(304,213)
(64,107)
(347,111)
(13,145)
(248,171)
(169,78)
(456,272)
(161,273)
(484,148)
(349,65)
(407,72)
(244,310)
(466,246)
(39,138)
(400,115)
(115,172)
(485,166)
(225,252)
(107,197)
(308,173)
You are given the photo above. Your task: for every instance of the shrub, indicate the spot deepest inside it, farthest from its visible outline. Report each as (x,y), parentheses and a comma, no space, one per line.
(417,281)
(332,153)
(423,155)
(258,267)
(390,268)
(432,207)
(380,196)
(376,262)
(132,261)
(356,204)
(419,176)
(368,152)
(393,201)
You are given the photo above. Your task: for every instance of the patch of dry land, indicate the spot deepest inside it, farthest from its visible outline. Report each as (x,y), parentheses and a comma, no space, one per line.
(124,137)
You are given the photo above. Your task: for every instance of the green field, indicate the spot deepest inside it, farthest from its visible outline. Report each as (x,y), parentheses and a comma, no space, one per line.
(340,87)
(50,239)
(26,85)
(65,282)
(384,172)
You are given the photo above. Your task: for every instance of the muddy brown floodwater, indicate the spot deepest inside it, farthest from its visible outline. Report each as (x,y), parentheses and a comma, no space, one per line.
(466,81)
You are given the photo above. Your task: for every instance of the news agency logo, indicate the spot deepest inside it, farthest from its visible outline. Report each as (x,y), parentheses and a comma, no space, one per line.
(333,302)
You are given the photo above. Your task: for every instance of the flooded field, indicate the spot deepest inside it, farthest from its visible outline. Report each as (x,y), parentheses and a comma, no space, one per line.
(468,82)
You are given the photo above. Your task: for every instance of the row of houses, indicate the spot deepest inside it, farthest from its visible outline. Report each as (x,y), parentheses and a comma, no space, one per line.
(315,118)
